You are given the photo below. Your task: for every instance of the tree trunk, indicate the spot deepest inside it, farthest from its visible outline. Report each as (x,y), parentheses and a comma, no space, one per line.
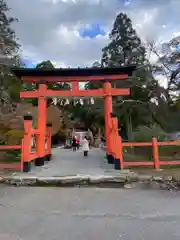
(129,126)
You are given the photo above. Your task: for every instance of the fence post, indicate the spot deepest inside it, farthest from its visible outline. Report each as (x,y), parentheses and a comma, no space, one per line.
(49,130)
(155,153)
(26,144)
(118,161)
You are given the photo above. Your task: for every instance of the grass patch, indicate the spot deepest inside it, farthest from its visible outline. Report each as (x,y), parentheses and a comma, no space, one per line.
(166,153)
(10,156)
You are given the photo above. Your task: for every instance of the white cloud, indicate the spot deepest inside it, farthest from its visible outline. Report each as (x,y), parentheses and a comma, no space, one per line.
(162,80)
(145,23)
(48,29)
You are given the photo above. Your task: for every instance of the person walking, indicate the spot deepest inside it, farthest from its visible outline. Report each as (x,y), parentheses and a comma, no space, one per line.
(85,146)
(78,143)
(74,143)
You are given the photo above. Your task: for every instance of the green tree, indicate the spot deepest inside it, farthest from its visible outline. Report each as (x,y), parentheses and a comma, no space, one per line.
(147,103)
(94,84)
(9,48)
(125,48)
(55,86)
(167,65)
(166,113)
(45,64)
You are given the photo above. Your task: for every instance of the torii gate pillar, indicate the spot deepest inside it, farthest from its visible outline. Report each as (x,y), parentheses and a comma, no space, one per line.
(41,125)
(107,117)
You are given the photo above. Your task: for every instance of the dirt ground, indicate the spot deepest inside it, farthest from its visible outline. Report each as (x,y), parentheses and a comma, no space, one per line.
(174,171)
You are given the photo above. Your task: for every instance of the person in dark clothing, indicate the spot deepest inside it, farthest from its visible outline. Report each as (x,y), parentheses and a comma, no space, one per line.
(78,143)
(74,144)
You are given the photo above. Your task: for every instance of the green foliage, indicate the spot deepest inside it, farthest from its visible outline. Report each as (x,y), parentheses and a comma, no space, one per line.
(15,133)
(145,134)
(167,112)
(125,46)
(54,86)
(14,91)
(45,64)
(12,156)
(8,47)
(173,152)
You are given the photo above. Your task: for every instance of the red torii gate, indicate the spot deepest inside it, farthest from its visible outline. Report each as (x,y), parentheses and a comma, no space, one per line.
(41,77)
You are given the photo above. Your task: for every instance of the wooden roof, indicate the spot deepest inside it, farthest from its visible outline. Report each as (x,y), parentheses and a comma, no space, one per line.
(72,72)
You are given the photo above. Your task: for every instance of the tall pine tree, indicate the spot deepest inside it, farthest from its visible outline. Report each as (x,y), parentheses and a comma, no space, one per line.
(8,37)
(125,46)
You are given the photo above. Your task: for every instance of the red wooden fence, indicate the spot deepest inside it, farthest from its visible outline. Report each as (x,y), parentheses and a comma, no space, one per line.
(156,163)
(118,145)
(27,154)
(10,166)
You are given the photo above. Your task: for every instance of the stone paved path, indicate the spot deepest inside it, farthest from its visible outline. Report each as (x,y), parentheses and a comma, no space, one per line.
(65,163)
(29,213)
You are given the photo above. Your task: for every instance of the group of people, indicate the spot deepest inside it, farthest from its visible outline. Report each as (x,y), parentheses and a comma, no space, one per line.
(76,145)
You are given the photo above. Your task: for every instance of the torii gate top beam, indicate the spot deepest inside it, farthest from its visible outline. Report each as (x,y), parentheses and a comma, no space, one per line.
(36,75)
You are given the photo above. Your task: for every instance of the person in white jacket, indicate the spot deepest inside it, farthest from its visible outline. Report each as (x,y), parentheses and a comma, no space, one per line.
(85,146)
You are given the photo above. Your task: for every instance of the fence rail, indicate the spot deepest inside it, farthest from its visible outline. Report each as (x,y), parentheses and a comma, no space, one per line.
(29,148)
(137,144)
(156,162)
(116,153)
(10,147)
(10,166)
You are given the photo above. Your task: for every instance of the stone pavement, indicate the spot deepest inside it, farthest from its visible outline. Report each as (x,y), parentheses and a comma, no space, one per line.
(67,163)
(36,213)
(69,168)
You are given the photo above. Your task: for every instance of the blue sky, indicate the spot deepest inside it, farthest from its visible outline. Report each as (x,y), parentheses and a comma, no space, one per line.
(28,63)
(92,31)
